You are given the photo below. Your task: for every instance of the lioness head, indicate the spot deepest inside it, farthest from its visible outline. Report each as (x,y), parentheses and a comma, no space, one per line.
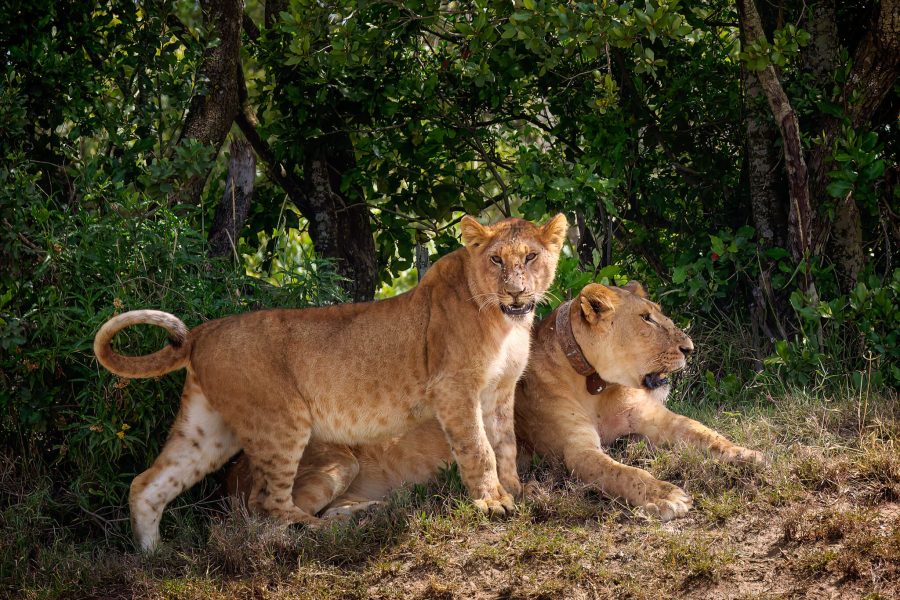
(513,262)
(627,338)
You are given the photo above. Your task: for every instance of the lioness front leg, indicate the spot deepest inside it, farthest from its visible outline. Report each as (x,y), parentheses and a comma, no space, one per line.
(587,461)
(461,421)
(502,435)
(662,426)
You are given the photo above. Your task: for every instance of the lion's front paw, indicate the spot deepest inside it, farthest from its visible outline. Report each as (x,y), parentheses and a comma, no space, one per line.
(496,504)
(512,485)
(737,454)
(665,501)
(534,491)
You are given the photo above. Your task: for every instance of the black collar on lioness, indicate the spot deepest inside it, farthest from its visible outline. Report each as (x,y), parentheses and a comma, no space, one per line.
(573,352)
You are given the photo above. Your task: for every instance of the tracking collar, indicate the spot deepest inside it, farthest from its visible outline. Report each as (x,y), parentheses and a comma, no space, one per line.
(566,337)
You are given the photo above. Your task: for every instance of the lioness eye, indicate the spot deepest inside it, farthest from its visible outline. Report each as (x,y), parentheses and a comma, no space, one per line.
(648,318)
(531,256)
(496,260)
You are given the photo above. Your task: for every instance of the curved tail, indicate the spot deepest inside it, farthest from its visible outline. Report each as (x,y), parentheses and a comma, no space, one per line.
(170,358)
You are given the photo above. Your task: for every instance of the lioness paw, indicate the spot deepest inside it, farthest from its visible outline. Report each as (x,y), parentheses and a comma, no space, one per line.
(348,511)
(737,454)
(667,502)
(535,492)
(512,485)
(509,503)
(496,505)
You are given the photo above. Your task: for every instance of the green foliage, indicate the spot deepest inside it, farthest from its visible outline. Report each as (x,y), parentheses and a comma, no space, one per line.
(94,430)
(712,278)
(449,110)
(785,45)
(858,333)
(858,165)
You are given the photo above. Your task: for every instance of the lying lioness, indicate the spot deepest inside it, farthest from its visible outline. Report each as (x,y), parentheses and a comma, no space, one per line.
(271,382)
(598,371)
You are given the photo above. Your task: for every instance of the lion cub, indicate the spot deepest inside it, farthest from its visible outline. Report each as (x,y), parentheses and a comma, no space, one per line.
(598,371)
(272,381)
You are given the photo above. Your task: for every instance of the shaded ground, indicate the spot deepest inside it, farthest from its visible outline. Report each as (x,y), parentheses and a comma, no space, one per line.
(821,521)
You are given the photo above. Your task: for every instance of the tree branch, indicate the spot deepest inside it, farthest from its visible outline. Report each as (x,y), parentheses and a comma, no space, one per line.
(801,214)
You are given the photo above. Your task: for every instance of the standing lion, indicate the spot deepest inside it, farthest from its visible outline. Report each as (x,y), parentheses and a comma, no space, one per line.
(272,381)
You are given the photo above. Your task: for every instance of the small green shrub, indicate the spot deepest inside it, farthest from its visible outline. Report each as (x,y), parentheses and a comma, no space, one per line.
(89,431)
(858,333)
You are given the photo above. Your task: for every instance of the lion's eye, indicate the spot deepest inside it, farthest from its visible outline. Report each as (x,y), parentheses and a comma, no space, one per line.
(531,256)
(496,260)
(648,318)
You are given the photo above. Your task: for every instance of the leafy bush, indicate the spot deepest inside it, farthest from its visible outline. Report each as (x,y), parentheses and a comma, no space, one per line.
(74,270)
(857,333)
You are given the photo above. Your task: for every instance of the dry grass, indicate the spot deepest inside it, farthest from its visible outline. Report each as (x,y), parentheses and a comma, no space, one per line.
(821,520)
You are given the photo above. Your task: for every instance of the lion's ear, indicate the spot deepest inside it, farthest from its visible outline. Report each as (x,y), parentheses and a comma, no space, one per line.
(636,288)
(474,234)
(596,300)
(553,232)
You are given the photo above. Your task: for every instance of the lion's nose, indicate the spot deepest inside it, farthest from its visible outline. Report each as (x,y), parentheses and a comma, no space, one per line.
(686,347)
(515,289)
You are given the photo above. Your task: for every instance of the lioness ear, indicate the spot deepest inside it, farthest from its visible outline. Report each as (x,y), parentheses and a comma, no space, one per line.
(553,232)
(636,288)
(474,234)
(596,300)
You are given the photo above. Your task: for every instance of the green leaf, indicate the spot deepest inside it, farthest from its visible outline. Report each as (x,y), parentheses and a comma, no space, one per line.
(839,188)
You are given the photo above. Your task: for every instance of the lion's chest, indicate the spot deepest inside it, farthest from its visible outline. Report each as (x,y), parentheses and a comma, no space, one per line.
(511,358)
(505,368)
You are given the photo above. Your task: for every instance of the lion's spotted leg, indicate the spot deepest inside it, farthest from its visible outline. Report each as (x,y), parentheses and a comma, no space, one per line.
(591,465)
(502,436)
(325,472)
(662,426)
(275,459)
(200,442)
(461,420)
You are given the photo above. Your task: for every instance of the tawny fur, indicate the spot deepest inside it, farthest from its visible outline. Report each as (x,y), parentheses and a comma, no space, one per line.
(625,337)
(271,382)
(555,416)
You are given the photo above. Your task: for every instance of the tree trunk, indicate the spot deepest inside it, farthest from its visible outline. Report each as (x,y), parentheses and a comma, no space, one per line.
(821,56)
(584,242)
(339,227)
(846,243)
(768,309)
(764,178)
(212,111)
(876,68)
(800,213)
(235,204)
(273,9)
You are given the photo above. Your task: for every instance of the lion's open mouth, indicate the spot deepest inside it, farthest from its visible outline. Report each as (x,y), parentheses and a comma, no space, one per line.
(517,311)
(656,380)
